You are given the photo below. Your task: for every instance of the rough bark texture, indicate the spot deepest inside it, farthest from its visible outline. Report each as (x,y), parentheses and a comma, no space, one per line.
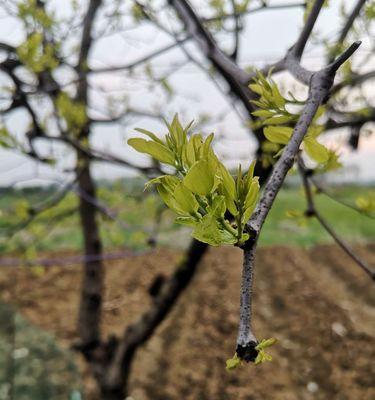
(245,334)
(92,282)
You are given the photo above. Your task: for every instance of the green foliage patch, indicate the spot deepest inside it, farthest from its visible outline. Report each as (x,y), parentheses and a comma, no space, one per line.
(202,192)
(278,121)
(286,224)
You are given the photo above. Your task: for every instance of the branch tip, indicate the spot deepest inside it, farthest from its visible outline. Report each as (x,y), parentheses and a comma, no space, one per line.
(334,66)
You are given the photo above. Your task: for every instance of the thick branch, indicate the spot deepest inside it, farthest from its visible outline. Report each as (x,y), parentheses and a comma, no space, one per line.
(195,28)
(236,77)
(115,375)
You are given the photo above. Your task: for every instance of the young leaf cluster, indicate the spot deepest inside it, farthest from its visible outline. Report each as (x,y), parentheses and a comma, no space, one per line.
(262,356)
(370,10)
(7,141)
(33,15)
(72,112)
(202,193)
(37,52)
(366,204)
(36,55)
(278,122)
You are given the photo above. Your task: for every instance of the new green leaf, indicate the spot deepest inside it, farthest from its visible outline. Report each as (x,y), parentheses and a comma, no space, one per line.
(154,149)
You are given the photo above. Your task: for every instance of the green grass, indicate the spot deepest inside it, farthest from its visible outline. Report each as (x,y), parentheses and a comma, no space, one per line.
(349,224)
(59,228)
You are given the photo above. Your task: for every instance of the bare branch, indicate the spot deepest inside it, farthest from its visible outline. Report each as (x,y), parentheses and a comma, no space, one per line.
(353,81)
(196,30)
(299,47)
(350,21)
(236,78)
(236,32)
(334,65)
(127,113)
(263,7)
(312,211)
(291,61)
(142,60)
(34,211)
(350,120)
(321,189)
(115,375)
(344,246)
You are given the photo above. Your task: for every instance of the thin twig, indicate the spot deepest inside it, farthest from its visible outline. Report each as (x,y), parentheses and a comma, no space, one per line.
(300,45)
(339,201)
(263,7)
(312,211)
(350,21)
(142,60)
(344,246)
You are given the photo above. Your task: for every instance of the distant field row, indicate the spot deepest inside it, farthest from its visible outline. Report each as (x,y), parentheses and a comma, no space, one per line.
(58,228)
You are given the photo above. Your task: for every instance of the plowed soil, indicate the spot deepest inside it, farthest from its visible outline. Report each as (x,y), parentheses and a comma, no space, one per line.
(316,302)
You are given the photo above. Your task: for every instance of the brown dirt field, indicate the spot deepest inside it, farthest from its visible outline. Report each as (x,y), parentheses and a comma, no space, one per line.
(318,305)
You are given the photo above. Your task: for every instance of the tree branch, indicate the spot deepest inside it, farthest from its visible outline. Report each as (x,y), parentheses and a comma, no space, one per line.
(300,45)
(114,376)
(263,7)
(350,120)
(319,87)
(195,29)
(236,78)
(350,21)
(321,189)
(312,211)
(236,32)
(142,60)
(353,80)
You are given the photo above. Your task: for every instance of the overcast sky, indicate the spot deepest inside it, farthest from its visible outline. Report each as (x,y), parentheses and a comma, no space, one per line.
(266,38)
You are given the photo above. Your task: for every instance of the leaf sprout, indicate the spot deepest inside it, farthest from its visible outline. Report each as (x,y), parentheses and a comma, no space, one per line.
(262,356)
(202,192)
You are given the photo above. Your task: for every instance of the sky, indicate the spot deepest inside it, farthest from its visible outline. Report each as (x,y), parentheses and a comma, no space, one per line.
(266,38)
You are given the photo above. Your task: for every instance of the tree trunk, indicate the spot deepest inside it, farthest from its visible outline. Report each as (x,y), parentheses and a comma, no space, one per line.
(92,284)
(92,281)
(112,394)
